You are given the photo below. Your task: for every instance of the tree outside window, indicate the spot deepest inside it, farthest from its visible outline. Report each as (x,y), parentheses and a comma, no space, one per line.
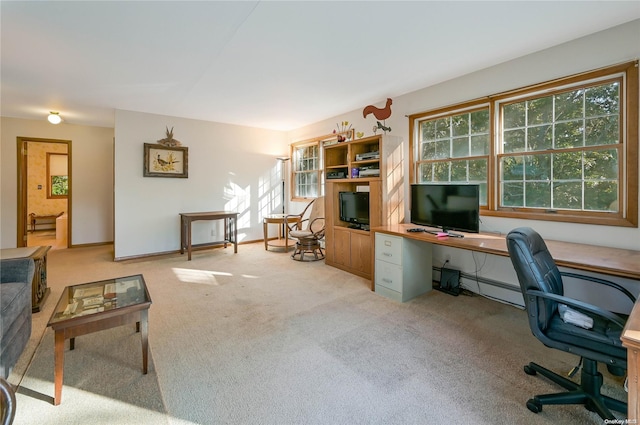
(57,176)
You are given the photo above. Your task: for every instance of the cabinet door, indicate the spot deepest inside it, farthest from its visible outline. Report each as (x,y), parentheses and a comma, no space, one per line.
(361,252)
(341,246)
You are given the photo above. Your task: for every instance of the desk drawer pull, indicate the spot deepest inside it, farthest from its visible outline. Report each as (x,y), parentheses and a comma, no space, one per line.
(385,280)
(387,254)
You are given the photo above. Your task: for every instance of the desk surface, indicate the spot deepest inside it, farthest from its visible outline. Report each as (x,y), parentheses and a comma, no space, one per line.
(611,261)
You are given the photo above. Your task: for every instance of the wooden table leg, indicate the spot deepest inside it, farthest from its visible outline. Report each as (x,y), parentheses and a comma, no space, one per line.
(188,230)
(235,234)
(226,231)
(265,232)
(59,367)
(144,334)
(182,223)
(286,235)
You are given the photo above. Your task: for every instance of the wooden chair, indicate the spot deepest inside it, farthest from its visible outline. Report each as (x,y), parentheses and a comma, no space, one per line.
(308,232)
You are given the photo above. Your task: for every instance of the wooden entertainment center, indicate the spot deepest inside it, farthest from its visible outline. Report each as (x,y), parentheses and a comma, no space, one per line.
(348,248)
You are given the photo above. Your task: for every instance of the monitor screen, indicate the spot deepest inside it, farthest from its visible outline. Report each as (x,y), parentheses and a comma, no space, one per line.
(446,206)
(354,207)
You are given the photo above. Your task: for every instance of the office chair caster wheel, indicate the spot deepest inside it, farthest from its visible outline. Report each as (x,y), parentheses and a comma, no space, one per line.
(529,370)
(534,405)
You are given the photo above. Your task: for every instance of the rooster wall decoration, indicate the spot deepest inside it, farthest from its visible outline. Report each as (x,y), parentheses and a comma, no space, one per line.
(381,114)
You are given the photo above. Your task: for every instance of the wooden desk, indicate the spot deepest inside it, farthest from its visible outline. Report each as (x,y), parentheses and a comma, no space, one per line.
(230,229)
(598,259)
(611,261)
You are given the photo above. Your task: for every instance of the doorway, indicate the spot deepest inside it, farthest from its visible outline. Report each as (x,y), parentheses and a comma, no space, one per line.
(44,192)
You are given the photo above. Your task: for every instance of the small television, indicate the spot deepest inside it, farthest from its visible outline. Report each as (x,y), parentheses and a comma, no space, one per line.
(448,206)
(354,208)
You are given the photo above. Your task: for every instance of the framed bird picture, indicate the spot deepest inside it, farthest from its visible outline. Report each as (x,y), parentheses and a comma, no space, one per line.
(165,161)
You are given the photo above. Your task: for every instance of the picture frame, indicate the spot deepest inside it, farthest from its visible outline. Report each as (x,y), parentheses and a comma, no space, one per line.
(166,161)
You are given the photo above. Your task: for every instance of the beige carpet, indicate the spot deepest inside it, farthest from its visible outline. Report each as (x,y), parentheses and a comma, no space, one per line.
(257,338)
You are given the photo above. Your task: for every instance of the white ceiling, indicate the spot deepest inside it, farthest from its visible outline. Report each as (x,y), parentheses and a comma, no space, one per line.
(269,64)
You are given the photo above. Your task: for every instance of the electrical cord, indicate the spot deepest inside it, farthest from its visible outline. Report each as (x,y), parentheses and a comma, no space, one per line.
(478,269)
(442,267)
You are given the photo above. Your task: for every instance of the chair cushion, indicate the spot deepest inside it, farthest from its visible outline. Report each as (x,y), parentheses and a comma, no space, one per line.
(300,234)
(604,337)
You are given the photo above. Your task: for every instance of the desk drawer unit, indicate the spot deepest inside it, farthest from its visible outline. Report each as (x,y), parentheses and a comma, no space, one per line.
(402,268)
(389,248)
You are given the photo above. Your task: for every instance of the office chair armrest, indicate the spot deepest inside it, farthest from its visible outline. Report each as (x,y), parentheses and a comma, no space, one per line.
(602,282)
(612,317)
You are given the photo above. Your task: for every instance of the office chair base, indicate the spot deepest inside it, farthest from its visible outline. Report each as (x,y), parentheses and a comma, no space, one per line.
(586,393)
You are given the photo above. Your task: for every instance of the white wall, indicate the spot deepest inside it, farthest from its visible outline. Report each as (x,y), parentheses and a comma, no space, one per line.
(92,178)
(598,50)
(230,168)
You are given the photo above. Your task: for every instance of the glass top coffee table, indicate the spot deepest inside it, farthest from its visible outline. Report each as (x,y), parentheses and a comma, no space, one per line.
(96,306)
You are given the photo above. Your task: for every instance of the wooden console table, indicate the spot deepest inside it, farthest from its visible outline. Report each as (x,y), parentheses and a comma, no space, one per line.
(230,229)
(39,289)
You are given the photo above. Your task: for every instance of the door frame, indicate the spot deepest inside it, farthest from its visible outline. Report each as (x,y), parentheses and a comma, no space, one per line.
(21,234)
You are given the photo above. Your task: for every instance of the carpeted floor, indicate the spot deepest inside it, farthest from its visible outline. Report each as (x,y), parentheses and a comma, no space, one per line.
(257,338)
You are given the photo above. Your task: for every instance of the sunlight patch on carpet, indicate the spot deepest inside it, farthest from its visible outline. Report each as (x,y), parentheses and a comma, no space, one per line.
(204,277)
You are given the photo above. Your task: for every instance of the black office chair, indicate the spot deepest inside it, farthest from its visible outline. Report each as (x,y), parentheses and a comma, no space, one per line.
(542,288)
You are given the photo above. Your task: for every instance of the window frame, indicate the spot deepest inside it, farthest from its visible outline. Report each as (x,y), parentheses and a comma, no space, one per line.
(319,171)
(468,107)
(627,215)
(50,176)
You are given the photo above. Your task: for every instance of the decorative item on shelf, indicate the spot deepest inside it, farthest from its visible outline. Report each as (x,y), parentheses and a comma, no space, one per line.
(355,172)
(165,161)
(169,140)
(344,131)
(380,126)
(360,134)
(381,114)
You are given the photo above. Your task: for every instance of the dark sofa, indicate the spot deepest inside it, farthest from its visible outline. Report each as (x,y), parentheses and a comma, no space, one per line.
(16,275)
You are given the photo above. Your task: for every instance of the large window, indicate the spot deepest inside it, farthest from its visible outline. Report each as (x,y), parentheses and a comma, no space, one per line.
(562,151)
(455,148)
(566,150)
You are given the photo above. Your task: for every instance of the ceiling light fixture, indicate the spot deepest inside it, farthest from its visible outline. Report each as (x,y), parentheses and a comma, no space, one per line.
(54,117)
